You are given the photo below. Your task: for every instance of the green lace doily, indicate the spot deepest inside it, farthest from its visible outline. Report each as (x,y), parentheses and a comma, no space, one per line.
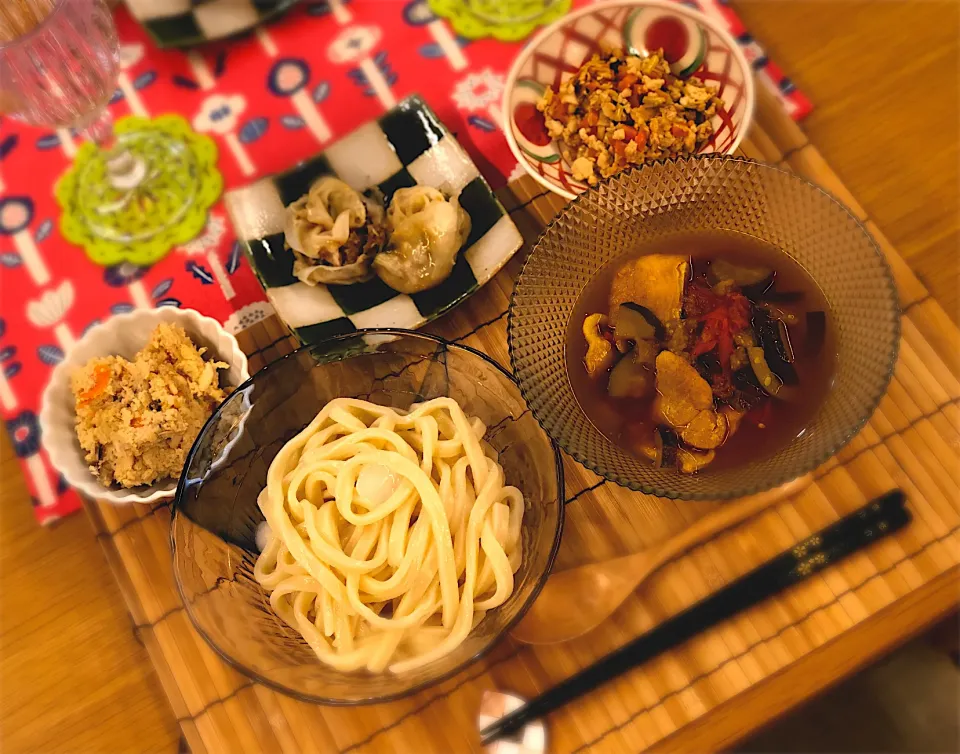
(506,20)
(167,208)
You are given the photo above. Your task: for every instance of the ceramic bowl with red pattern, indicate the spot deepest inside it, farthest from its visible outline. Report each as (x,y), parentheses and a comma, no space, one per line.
(693,44)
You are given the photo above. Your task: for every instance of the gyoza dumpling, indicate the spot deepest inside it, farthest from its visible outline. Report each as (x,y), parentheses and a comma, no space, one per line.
(319,222)
(408,202)
(334,233)
(425,233)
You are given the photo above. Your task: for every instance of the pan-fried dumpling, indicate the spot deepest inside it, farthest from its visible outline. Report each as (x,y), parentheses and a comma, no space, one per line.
(426,232)
(408,202)
(334,233)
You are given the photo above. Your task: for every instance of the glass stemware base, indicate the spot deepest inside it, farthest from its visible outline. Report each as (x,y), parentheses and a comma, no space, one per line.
(149,192)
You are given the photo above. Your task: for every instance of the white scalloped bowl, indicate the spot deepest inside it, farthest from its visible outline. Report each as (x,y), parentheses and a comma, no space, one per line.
(123,335)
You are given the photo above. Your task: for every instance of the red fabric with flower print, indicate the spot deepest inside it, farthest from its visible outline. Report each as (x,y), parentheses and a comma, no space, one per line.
(269,100)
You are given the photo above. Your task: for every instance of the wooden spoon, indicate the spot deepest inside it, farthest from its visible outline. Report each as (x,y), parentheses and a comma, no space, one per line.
(577,600)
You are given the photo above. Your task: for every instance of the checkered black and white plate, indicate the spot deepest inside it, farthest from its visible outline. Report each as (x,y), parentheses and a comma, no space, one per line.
(182,23)
(406,147)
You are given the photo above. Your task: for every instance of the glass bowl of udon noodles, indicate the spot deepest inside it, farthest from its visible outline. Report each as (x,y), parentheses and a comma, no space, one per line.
(366,517)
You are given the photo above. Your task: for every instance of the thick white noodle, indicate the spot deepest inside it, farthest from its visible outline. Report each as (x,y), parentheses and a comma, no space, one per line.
(390,534)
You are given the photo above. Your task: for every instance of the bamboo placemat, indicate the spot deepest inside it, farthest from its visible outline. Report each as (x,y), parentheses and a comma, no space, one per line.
(912,441)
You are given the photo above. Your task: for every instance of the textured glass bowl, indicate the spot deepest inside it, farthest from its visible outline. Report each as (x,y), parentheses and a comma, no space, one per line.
(648,205)
(216,514)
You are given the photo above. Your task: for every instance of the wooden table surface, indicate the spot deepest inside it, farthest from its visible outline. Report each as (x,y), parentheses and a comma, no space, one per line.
(73,677)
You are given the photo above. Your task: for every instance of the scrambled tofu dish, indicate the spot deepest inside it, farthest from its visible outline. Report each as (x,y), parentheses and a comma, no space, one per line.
(136,420)
(621,110)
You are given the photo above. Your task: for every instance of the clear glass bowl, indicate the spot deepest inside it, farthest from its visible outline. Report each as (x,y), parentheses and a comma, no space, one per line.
(647,205)
(216,515)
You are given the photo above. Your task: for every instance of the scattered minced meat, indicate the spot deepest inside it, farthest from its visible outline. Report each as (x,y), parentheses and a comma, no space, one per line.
(624,110)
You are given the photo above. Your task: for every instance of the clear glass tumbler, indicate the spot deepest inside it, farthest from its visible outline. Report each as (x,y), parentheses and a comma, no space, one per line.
(59,67)
(62,72)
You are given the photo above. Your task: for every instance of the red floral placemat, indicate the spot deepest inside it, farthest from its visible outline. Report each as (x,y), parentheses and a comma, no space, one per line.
(269,100)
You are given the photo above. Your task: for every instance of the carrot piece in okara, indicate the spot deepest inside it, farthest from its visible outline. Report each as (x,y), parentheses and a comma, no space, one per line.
(101,376)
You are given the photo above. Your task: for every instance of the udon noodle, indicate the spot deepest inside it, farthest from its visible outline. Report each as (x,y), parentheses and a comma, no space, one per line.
(391,533)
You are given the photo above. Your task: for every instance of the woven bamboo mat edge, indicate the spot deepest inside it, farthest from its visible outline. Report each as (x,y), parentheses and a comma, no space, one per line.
(205,707)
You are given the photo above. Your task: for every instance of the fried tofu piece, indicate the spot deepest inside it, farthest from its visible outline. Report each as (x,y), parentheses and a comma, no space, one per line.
(685,403)
(708,430)
(600,353)
(681,392)
(655,281)
(734,417)
(691,461)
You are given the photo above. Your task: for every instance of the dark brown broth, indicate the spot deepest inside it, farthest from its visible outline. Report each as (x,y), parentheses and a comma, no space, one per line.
(628,421)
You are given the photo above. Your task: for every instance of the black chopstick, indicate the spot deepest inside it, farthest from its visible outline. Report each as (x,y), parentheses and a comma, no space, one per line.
(875,520)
